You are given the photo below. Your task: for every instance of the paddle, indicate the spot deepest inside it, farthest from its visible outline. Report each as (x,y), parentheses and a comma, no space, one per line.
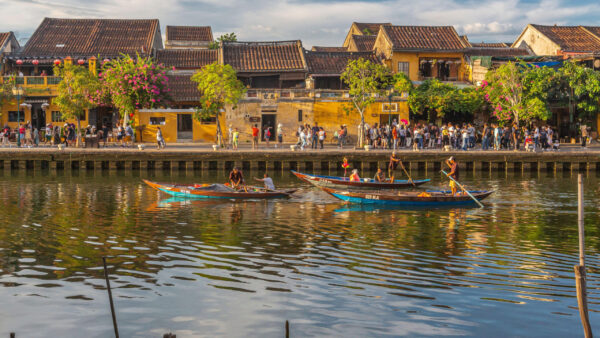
(407,174)
(463,189)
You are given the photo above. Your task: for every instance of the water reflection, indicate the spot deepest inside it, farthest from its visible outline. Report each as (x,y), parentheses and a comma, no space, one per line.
(241,268)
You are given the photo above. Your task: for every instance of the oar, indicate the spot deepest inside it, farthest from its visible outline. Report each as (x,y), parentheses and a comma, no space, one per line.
(407,174)
(463,189)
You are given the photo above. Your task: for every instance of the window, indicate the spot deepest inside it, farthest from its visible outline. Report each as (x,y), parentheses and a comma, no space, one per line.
(403,67)
(299,115)
(208,120)
(12,116)
(157,121)
(57,117)
(386,107)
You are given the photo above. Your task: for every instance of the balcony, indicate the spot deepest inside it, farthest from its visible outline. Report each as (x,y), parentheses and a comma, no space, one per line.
(37,85)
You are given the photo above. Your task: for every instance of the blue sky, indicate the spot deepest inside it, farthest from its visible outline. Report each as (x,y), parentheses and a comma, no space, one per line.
(315,22)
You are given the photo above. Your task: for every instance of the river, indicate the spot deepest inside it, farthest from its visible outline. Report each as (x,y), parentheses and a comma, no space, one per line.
(241,269)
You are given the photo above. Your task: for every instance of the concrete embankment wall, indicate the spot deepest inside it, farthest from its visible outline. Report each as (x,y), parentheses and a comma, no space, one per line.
(320,161)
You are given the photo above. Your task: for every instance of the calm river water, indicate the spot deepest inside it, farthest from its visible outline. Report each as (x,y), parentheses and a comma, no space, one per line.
(241,269)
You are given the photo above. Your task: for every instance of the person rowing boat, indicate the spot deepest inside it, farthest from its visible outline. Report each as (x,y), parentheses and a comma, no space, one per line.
(392,166)
(236,178)
(451,162)
(268,182)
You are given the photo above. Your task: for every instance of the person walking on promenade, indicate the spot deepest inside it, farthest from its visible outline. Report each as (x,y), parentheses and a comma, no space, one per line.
(584,135)
(235,139)
(485,137)
(303,138)
(267,135)
(6,136)
(315,136)
(279,135)
(322,135)
(230,136)
(465,138)
(453,164)
(341,137)
(255,137)
(160,140)
(129,136)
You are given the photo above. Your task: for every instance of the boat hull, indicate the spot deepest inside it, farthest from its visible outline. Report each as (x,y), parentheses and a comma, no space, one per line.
(336,182)
(183,191)
(435,199)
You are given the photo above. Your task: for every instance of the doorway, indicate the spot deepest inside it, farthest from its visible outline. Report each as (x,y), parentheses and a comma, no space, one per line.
(38,116)
(387,119)
(184,128)
(268,121)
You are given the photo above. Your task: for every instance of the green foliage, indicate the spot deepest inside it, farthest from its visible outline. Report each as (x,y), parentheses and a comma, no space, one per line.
(401,83)
(435,99)
(583,87)
(6,90)
(74,92)
(219,86)
(364,79)
(229,37)
(367,31)
(518,92)
(131,84)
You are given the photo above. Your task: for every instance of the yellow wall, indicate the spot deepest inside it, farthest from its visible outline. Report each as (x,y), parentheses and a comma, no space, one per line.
(200,132)
(12,106)
(413,59)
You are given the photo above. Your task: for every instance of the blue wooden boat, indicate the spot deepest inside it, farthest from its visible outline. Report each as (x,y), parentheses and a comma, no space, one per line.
(408,198)
(345,183)
(219,191)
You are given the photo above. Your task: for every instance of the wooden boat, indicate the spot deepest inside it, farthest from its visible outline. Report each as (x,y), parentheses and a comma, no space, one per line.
(344,182)
(217,191)
(408,198)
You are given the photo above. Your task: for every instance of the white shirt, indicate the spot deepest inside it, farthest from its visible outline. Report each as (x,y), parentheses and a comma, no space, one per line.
(269,183)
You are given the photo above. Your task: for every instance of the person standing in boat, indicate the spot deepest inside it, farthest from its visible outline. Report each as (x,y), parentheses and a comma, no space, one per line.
(236,178)
(451,162)
(268,182)
(392,166)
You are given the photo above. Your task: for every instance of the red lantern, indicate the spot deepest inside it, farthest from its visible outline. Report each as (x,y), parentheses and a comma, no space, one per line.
(35,62)
(81,61)
(19,62)
(130,115)
(57,62)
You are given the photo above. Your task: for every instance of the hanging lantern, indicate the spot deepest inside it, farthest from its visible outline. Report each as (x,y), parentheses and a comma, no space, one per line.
(19,62)
(130,115)
(81,61)
(57,62)
(35,62)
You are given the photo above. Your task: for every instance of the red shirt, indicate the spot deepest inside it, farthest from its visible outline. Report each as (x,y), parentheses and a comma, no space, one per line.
(254,131)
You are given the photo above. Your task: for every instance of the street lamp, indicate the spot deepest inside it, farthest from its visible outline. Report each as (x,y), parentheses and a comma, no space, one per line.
(18,92)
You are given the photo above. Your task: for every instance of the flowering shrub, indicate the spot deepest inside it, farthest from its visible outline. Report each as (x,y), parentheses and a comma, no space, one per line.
(129,84)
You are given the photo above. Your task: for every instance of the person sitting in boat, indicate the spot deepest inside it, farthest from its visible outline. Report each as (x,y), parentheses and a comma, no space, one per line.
(354,177)
(451,162)
(236,178)
(267,181)
(379,175)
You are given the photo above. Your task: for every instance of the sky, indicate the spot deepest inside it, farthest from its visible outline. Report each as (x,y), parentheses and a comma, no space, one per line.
(315,22)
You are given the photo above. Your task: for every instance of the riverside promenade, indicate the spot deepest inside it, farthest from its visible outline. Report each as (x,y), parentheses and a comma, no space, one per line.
(193,156)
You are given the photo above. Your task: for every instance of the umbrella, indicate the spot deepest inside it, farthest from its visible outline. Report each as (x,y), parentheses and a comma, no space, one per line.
(405,121)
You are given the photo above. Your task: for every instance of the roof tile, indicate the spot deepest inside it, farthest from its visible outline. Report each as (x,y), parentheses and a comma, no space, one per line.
(364,43)
(189,33)
(424,37)
(372,28)
(186,58)
(91,37)
(183,89)
(334,63)
(329,49)
(264,56)
(572,38)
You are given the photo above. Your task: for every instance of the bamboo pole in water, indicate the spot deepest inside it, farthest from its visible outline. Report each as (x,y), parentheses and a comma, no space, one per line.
(580,269)
(112,307)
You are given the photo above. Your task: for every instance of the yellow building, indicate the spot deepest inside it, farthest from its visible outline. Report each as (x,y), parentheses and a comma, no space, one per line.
(423,52)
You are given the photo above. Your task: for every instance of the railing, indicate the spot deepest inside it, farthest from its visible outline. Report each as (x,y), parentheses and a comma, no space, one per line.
(35,80)
(290,94)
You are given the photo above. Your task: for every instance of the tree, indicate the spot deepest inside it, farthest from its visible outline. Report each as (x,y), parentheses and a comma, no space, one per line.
(518,92)
(582,88)
(219,86)
(229,37)
(74,93)
(364,79)
(434,99)
(6,90)
(131,84)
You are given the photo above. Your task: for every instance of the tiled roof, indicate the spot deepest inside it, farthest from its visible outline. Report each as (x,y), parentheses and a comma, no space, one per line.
(183,89)
(364,43)
(490,44)
(189,33)
(572,38)
(328,49)
(91,37)
(275,56)
(497,51)
(186,58)
(424,38)
(4,37)
(334,63)
(371,27)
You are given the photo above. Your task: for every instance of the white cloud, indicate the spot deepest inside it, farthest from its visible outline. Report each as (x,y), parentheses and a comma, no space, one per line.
(315,23)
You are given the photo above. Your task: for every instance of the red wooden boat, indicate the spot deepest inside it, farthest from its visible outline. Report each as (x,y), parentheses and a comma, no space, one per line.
(345,183)
(219,191)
